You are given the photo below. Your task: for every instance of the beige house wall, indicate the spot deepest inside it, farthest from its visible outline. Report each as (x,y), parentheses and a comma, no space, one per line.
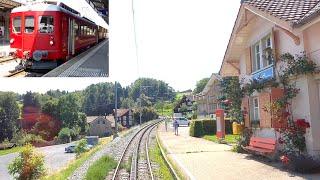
(307,104)
(98,128)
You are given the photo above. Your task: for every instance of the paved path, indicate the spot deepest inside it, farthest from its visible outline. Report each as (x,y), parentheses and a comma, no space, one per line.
(55,158)
(202,159)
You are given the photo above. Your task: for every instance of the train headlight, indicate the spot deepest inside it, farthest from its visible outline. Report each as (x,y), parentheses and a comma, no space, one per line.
(11,41)
(51,42)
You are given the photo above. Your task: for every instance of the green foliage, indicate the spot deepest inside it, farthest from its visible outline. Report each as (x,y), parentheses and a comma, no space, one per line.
(148,113)
(64,135)
(200,85)
(9,115)
(242,141)
(29,165)
(31,99)
(81,147)
(230,86)
(196,129)
(68,110)
(99,98)
(163,172)
(127,103)
(22,138)
(157,89)
(100,169)
(209,127)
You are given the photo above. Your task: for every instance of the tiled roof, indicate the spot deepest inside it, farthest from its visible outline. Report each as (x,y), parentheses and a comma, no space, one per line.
(294,11)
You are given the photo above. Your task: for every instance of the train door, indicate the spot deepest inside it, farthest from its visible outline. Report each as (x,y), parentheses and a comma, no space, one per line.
(64,36)
(71,38)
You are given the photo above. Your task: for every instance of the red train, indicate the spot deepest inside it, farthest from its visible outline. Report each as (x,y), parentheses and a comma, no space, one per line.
(44,35)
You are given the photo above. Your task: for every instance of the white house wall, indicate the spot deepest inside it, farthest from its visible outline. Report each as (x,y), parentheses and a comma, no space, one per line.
(306,104)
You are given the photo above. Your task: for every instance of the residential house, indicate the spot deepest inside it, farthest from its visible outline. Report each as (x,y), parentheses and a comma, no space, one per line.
(291,26)
(100,126)
(125,117)
(207,100)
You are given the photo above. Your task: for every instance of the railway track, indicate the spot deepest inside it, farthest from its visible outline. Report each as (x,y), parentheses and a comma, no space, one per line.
(7,59)
(19,73)
(134,162)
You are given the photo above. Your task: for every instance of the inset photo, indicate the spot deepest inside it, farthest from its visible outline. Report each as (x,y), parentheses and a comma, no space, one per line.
(54,38)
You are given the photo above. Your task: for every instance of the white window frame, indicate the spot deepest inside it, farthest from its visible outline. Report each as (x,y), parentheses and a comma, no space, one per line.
(256,117)
(259,66)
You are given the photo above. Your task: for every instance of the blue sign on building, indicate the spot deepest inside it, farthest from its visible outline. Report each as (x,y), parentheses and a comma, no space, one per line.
(264,75)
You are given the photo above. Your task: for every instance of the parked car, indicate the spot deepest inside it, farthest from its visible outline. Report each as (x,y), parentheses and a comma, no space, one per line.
(182,121)
(70,149)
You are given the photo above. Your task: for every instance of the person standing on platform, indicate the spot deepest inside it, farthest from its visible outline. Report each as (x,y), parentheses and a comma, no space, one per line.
(176,126)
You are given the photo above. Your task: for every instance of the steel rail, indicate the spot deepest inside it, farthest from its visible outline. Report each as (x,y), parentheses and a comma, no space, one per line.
(126,148)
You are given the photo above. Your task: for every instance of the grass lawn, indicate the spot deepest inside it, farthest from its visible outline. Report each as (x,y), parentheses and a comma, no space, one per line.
(163,172)
(12,150)
(230,139)
(73,165)
(100,169)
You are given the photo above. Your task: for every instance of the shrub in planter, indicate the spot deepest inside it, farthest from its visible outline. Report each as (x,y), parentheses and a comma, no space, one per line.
(28,165)
(209,127)
(196,129)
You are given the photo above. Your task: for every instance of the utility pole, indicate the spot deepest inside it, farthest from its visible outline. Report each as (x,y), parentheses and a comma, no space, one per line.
(115,111)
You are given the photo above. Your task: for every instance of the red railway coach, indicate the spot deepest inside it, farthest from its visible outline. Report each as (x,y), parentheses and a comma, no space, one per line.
(45,34)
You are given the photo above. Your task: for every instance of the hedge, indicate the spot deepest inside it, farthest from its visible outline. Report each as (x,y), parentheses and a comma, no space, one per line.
(207,127)
(196,129)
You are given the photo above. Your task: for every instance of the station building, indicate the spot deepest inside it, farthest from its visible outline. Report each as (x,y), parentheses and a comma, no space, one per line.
(286,27)
(207,100)
(5,8)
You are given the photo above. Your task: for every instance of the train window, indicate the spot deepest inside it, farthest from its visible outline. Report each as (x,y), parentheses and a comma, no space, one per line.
(17,25)
(76,28)
(29,24)
(46,24)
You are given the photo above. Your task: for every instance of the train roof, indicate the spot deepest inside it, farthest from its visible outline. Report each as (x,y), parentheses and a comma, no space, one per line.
(53,5)
(49,6)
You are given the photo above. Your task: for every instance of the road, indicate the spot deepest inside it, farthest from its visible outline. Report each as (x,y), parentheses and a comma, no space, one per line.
(55,158)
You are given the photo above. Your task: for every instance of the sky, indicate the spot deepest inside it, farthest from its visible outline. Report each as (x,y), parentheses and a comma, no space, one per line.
(178,41)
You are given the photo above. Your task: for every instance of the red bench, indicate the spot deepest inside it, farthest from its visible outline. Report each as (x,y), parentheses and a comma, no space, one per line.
(262,146)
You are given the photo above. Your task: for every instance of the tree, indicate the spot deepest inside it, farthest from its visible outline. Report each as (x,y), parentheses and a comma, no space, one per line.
(127,103)
(68,111)
(99,98)
(200,85)
(155,89)
(9,115)
(31,99)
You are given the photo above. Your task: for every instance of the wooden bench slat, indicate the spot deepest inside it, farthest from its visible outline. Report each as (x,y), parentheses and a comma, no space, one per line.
(263,145)
(264,140)
(259,149)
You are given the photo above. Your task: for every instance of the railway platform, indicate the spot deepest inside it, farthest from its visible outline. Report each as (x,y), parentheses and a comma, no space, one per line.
(91,63)
(197,158)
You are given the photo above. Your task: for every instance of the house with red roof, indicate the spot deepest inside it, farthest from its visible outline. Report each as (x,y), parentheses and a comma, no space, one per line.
(276,27)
